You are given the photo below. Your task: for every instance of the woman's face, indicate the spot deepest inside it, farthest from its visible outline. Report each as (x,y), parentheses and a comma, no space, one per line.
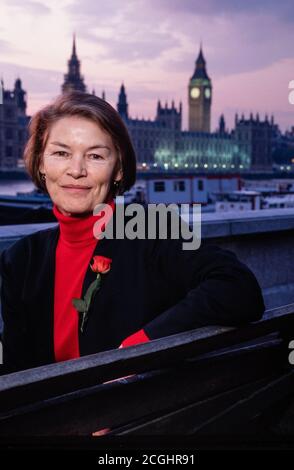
(82,155)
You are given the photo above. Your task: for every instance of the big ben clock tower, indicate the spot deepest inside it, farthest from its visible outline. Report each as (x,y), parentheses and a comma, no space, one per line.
(199,98)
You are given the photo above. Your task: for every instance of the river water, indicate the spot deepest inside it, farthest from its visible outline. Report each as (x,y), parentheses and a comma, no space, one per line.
(12,187)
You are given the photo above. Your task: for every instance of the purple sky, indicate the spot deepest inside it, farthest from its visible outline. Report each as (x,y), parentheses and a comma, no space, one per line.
(152,45)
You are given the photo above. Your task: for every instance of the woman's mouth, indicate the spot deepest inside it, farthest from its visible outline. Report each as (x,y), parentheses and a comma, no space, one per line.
(76,189)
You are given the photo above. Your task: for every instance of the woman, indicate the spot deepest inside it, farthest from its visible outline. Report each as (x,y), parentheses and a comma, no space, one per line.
(66,293)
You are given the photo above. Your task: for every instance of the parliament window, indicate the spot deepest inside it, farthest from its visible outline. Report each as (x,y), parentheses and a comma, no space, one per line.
(159,186)
(179,185)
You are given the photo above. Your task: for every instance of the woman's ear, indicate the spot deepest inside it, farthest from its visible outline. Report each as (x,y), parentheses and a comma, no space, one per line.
(118,175)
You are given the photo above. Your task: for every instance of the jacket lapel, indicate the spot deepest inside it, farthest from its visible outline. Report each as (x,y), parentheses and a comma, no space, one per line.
(44,318)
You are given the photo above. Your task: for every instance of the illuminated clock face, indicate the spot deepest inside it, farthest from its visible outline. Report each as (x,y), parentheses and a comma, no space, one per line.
(195,92)
(207,93)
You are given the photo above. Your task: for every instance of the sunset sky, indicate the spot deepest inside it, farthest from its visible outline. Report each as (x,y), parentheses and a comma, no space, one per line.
(151,45)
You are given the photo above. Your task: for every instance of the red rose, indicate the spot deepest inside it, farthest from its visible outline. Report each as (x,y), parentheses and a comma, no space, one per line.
(101,264)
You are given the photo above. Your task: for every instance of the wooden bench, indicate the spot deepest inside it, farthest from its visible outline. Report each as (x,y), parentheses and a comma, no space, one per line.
(218,381)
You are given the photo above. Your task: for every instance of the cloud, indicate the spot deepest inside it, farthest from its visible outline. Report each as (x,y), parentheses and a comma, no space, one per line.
(117,30)
(38,80)
(5,46)
(99,10)
(138,47)
(35,8)
(213,8)
(237,36)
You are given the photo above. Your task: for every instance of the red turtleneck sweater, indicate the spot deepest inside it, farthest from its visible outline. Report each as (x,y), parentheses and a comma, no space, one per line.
(73,255)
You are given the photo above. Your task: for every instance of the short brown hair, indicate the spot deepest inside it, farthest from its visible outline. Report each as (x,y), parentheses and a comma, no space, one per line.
(78,103)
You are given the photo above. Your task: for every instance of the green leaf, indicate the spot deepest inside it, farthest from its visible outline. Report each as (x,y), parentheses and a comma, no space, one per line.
(80,305)
(93,287)
(84,319)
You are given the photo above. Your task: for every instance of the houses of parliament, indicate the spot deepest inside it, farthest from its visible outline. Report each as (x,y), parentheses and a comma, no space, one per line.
(161,142)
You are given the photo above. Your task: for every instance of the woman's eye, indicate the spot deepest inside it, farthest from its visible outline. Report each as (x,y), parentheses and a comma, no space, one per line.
(61,153)
(95,156)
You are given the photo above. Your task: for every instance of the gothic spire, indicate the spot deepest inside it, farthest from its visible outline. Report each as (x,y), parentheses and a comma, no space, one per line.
(122,105)
(200,66)
(74,52)
(73,80)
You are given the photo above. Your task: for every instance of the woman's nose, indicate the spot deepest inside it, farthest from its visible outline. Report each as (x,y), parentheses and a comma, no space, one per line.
(77,166)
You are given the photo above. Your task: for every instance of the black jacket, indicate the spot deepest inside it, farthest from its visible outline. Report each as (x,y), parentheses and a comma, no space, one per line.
(152,284)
